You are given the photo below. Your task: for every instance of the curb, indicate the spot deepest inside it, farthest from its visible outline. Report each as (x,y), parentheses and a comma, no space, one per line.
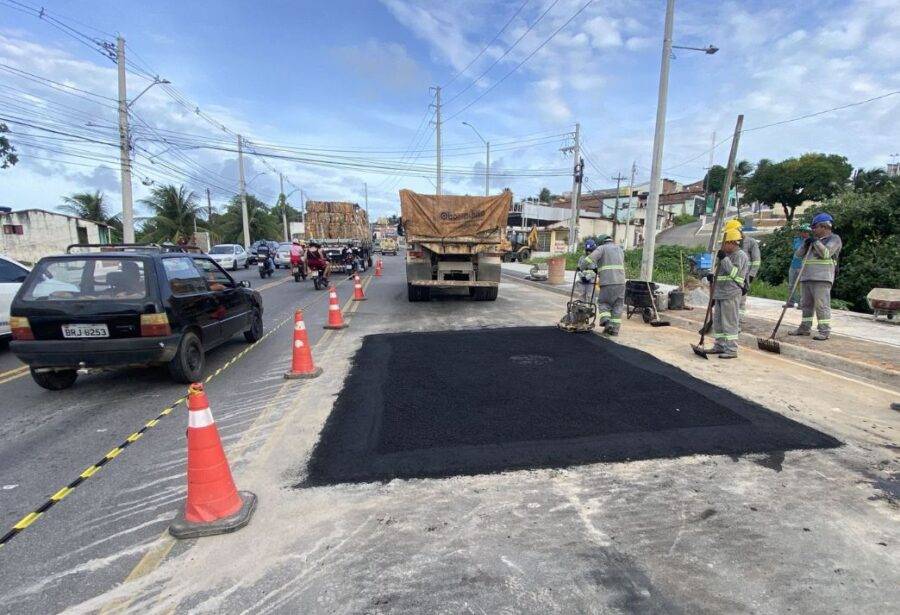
(788,350)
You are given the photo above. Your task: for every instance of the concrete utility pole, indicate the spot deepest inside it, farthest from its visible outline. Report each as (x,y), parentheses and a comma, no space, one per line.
(658,138)
(726,187)
(368,220)
(576,187)
(437,136)
(630,218)
(618,179)
(208,206)
(287,234)
(124,148)
(245,219)
(712,152)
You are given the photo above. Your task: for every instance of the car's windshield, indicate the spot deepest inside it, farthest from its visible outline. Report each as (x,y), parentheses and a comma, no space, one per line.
(223,249)
(87,279)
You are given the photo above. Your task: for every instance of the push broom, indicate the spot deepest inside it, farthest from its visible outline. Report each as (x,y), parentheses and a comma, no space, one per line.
(770,344)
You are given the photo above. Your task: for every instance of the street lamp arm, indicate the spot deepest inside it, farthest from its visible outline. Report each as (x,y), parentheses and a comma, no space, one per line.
(707,50)
(483,140)
(144,91)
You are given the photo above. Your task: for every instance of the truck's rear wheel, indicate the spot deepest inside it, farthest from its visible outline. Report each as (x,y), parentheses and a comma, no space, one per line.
(418,293)
(484,293)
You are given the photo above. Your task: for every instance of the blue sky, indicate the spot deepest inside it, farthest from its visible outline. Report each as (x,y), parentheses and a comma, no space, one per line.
(355,76)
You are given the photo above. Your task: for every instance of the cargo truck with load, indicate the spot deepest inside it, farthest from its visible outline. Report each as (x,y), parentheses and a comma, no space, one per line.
(453,242)
(334,225)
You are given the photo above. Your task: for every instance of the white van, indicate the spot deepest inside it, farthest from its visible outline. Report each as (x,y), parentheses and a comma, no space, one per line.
(12,274)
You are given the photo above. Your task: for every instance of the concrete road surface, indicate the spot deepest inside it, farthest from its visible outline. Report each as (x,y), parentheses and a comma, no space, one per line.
(802,529)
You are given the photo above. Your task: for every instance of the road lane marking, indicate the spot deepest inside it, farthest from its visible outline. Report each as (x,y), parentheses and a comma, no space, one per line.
(156,556)
(18,370)
(31,517)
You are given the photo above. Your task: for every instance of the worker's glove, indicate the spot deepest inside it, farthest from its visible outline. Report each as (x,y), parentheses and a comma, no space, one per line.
(721,254)
(809,241)
(750,279)
(745,288)
(710,277)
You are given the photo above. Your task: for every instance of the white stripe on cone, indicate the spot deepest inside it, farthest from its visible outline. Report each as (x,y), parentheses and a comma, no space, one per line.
(200,418)
(334,307)
(300,326)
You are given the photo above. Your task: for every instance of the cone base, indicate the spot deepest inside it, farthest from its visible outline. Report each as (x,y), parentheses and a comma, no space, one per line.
(340,326)
(298,375)
(360,299)
(183,529)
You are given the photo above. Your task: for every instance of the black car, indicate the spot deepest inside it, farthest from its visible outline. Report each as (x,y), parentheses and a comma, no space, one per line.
(141,306)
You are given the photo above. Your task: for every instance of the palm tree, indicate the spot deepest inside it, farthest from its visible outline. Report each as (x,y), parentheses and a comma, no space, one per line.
(872,180)
(89,206)
(174,213)
(263,224)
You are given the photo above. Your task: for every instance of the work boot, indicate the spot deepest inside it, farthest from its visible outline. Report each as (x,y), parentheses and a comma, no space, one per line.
(613,331)
(799,331)
(715,350)
(728,355)
(821,336)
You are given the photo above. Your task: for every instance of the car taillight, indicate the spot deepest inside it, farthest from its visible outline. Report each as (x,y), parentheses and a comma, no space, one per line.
(155,325)
(415,254)
(21,328)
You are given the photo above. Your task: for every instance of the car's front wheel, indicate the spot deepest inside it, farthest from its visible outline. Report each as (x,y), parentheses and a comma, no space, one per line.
(188,363)
(255,332)
(247,264)
(56,380)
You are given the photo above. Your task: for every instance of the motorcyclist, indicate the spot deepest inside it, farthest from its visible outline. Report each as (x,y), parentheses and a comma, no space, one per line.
(316,260)
(297,256)
(265,256)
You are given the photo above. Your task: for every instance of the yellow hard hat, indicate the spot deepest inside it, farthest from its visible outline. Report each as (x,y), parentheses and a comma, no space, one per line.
(734,223)
(732,234)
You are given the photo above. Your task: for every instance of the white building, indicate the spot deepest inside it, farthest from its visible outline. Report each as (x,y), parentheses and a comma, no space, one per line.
(30,234)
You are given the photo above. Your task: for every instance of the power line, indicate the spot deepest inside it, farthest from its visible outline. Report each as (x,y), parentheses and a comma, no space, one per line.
(485,48)
(528,57)
(505,53)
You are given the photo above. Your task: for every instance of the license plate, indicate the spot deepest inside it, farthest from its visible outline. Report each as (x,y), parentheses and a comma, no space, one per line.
(83,331)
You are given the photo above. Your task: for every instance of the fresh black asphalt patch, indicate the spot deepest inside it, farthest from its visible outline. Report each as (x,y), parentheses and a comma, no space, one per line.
(470,402)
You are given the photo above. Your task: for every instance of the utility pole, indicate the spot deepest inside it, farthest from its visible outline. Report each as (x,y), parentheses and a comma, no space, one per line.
(245,219)
(726,187)
(712,152)
(437,137)
(577,172)
(487,171)
(618,179)
(124,148)
(368,220)
(287,234)
(630,203)
(658,138)
(208,206)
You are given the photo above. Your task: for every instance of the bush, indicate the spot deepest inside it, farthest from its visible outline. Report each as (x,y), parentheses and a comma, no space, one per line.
(667,263)
(682,219)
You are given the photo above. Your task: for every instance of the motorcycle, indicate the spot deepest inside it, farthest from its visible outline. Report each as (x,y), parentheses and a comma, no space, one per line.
(319,280)
(298,272)
(266,266)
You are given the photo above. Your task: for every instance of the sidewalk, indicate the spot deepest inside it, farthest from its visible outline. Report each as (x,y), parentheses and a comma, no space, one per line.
(859,344)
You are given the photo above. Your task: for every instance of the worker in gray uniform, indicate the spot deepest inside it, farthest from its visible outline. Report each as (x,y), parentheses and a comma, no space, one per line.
(750,247)
(821,254)
(610,259)
(587,272)
(730,285)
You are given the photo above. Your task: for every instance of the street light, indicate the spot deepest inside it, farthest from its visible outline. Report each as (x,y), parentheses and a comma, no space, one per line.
(656,165)
(156,81)
(487,165)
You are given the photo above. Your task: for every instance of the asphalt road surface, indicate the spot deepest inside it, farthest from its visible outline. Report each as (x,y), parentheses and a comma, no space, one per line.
(808,525)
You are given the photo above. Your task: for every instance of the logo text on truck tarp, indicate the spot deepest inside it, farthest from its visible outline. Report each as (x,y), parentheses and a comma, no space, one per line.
(464,215)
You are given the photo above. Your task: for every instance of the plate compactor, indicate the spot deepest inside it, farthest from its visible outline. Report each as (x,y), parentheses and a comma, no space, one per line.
(581,315)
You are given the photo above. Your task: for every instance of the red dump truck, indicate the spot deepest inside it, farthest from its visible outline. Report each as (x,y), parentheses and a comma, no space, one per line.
(453,242)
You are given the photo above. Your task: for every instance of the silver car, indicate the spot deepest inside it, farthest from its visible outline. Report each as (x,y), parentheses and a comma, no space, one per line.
(230,256)
(283,255)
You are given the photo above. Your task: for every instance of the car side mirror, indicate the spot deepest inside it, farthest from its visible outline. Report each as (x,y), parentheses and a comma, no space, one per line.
(244,283)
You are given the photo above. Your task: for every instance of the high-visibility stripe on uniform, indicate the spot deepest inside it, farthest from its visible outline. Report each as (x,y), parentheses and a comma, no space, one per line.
(806,319)
(604,314)
(755,263)
(819,261)
(616,320)
(607,267)
(200,418)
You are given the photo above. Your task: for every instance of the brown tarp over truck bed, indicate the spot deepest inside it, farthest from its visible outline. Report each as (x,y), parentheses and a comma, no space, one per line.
(336,220)
(479,219)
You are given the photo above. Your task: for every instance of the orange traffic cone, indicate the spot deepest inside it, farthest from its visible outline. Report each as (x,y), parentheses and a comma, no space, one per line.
(358,294)
(335,318)
(378,268)
(214,505)
(302,362)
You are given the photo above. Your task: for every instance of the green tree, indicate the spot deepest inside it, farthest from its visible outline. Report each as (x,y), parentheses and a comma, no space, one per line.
(811,177)
(715,177)
(263,224)
(91,206)
(174,212)
(871,180)
(8,155)
(545,195)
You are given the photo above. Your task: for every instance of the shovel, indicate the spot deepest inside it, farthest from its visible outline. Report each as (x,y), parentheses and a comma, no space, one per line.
(698,349)
(656,322)
(770,344)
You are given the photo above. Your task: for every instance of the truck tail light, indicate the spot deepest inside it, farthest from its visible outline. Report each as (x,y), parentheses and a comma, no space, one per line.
(416,254)
(21,328)
(155,325)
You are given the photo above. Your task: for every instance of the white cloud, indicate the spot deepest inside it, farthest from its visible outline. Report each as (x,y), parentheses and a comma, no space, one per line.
(384,64)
